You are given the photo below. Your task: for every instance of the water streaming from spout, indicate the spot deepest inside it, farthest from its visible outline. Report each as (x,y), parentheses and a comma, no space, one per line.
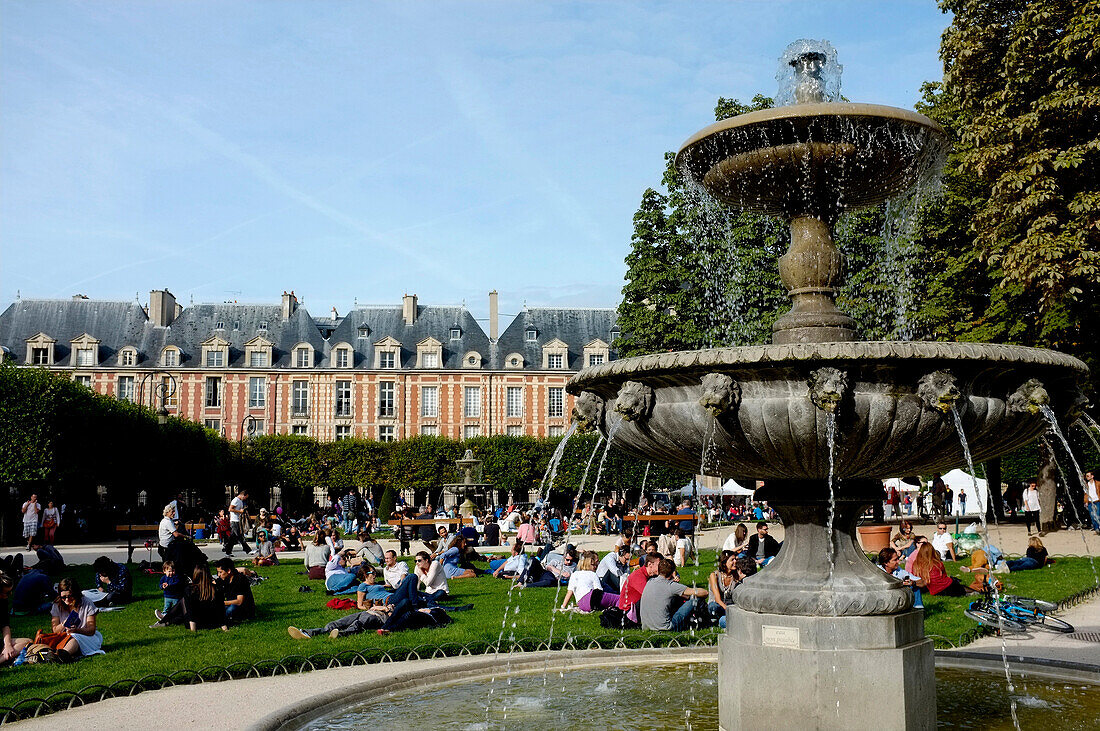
(546,486)
(1090,428)
(1052,420)
(984,532)
(830,594)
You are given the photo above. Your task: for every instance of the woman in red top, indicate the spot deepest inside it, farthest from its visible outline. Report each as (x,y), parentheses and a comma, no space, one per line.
(929,568)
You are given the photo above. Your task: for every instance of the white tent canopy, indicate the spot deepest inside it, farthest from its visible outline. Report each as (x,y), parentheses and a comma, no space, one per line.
(958,480)
(730,488)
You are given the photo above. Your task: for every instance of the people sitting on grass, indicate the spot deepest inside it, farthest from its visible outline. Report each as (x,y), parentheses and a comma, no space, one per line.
(371,550)
(929,568)
(584,585)
(432,577)
(1035,558)
(8,650)
(762,548)
(406,611)
(292,539)
(452,557)
(74,615)
(394,571)
(266,548)
(721,584)
(668,604)
(737,541)
(338,575)
(114,582)
(236,592)
(944,543)
(904,541)
(317,556)
(635,585)
(369,592)
(33,592)
(684,550)
(513,566)
(202,606)
(333,539)
(614,569)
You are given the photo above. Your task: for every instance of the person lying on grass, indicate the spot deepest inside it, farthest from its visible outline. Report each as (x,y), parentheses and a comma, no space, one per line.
(452,559)
(406,612)
(511,567)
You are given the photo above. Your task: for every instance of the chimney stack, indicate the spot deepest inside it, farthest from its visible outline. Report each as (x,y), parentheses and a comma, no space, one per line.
(290,304)
(408,308)
(494,327)
(162,307)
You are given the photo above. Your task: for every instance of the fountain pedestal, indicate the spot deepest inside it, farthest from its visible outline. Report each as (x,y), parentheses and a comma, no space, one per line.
(788,671)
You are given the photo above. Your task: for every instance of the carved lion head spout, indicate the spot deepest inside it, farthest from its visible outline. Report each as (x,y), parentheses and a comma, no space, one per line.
(828,388)
(1079,404)
(588,412)
(1030,397)
(939,391)
(635,401)
(721,394)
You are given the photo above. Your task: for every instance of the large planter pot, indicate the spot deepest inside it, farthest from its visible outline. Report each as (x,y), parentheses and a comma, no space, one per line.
(874,538)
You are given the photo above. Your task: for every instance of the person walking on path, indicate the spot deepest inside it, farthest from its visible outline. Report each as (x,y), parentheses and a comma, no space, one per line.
(1031,505)
(1092,500)
(31,511)
(236,527)
(51,518)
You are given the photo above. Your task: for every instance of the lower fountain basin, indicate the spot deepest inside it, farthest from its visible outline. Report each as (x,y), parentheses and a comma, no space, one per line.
(761,411)
(686,693)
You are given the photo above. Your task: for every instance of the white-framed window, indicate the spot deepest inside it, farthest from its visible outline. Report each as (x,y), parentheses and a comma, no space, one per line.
(614,335)
(299,398)
(213,392)
(343,398)
(257,392)
(387,359)
(85,357)
(343,358)
(171,357)
(429,430)
(386,433)
(40,356)
(387,399)
(429,359)
(343,431)
(514,430)
(257,359)
(85,381)
(302,358)
(429,401)
(171,393)
(470,431)
(555,431)
(471,402)
(595,359)
(219,325)
(555,360)
(125,388)
(456,333)
(214,424)
(215,358)
(556,403)
(301,429)
(531,335)
(363,331)
(514,401)
(127,357)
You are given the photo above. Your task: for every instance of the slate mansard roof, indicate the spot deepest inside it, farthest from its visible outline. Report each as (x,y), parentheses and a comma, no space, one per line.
(120,324)
(576,326)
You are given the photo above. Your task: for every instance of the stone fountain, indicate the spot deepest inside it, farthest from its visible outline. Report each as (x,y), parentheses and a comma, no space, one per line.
(822,634)
(469,468)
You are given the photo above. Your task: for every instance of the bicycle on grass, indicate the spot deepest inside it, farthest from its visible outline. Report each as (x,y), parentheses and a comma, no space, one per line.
(1016,614)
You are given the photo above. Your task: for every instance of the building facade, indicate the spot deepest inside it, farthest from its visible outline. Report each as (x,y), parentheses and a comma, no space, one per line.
(378,372)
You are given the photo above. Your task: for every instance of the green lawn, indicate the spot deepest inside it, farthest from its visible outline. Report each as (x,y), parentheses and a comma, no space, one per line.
(134,650)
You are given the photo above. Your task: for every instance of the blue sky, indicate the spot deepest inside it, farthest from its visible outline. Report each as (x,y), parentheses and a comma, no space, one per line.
(355,151)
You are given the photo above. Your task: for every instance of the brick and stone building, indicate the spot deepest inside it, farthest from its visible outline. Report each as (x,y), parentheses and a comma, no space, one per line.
(377,372)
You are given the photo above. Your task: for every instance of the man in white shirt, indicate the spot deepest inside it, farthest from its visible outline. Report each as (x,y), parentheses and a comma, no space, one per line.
(31,510)
(943,542)
(236,533)
(1092,500)
(614,569)
(394,571)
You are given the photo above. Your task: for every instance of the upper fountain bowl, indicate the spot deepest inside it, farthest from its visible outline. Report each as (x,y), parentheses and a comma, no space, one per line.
(762,411)
(816,159)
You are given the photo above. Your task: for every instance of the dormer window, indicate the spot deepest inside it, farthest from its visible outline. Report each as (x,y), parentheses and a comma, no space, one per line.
(531,335)
(85,357)
(342,356)
(215,359)
(40,349)
(614,334)
(364,331)
(555,355)
(215,353)
(257,359)
(258,352)
(387,359)
(40,356)
(263,326)
(555,360)
(236,324)
(85,351)
(456,333)
(387,353)
(219,325)
(472,359)
(429,353)
(127,357)
(170,358)
(513,360)
(303,356)
(595,353)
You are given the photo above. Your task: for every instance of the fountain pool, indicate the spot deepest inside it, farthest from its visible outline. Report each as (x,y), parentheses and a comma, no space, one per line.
(628,697)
